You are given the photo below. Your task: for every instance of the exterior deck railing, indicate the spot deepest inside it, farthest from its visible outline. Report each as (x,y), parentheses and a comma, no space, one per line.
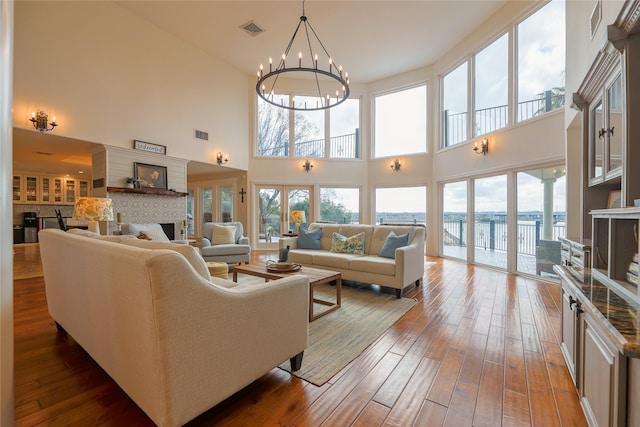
(492,235)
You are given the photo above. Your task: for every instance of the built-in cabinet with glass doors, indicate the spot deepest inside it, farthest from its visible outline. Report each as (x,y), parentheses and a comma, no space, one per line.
(42,189)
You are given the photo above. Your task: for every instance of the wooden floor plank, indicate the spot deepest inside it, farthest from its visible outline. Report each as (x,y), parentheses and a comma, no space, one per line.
(441,364)
(489,406)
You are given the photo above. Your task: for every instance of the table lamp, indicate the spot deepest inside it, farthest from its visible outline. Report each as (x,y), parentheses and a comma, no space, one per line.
(297,217)
(95,209)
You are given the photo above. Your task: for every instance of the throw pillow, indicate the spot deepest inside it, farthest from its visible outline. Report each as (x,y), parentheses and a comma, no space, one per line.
(348,245)
(393,242)
(309,239)
(153,234)
(223,235)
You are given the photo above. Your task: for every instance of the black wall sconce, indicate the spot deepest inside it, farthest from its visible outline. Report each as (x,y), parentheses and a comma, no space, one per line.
(307,165)
(40,121)
(483,148)
(396,165)
(219,159)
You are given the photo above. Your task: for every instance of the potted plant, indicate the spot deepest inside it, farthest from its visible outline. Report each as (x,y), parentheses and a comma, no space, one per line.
(129,182)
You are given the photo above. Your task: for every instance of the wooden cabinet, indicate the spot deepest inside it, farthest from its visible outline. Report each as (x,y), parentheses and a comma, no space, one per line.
(42,189)
(603,362)
(26,189)
(571,331)
(604,383)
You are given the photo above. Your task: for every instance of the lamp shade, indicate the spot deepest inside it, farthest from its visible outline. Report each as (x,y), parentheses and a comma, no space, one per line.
(93,209)
(298,217)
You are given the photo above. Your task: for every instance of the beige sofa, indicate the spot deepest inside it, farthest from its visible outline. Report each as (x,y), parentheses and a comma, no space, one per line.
(174,339)
(406,269)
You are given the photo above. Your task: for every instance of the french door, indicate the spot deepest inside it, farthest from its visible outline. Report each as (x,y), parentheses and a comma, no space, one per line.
(275,204)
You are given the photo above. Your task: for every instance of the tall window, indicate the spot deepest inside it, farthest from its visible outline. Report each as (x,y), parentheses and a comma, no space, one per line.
(490,221)
(541,219)
(492,87)
(273,127)
(309,129)
(344,124)
(276,125)
(401,122)
(454,106)
(541,54)
(454,219)
(401,205)
(340,205)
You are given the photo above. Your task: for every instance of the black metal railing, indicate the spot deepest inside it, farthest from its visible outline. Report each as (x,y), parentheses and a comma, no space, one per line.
(490,119)
(340,147)
(492,235)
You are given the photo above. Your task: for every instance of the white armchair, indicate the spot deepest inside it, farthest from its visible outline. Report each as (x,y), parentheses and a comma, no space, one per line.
(237,251)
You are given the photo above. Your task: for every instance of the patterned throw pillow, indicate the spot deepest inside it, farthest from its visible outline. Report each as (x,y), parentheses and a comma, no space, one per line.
(348,245)
(392,243)
(223,235)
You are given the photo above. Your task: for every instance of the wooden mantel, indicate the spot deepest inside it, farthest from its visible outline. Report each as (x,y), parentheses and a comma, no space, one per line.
(153,191)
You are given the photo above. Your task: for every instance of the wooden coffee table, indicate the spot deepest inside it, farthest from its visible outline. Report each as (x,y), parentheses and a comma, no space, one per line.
(316,277)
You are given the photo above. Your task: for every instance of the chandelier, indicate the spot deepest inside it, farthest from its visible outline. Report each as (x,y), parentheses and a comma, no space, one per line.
(330,85)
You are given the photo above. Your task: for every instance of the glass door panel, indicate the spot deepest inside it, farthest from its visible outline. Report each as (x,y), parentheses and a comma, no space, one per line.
(454,219)
(541,219)
(597,143)
(46,189)
(269,214)
(490,221)
(70,190)
(57,190)
(190,213)
(614,104)
(31,187)
(17,188)
(226,203)
(206,208)
(299,209)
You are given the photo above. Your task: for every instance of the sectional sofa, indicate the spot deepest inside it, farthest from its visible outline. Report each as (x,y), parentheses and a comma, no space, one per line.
(404,268)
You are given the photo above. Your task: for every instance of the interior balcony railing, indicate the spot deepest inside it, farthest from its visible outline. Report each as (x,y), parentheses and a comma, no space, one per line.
(340,147)
(490,119)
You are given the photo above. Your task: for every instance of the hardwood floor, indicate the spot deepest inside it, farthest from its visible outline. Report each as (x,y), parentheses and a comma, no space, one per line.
(481,348)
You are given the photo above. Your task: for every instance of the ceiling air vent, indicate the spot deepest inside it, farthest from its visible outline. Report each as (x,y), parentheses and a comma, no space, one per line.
(252,28)
(200,134)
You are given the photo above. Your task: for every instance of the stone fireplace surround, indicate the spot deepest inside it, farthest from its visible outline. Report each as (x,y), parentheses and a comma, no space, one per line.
(149,208)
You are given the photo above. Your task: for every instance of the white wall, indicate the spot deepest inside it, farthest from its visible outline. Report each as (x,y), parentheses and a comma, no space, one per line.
(110,77)
(7,402)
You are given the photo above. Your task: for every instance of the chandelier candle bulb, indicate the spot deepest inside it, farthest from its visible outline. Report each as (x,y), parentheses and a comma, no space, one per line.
(300,60)
(270,63)
(316,61)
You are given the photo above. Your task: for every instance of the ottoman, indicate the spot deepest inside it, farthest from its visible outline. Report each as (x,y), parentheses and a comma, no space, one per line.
(218,269)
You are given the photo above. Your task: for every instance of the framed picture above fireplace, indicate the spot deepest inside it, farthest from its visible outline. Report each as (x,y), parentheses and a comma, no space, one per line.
(150,176)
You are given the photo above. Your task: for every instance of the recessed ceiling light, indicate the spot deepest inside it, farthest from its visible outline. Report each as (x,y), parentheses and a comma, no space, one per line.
(80,171)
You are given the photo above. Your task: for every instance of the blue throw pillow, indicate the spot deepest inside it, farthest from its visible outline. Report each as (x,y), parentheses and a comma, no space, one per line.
(392,243)
(309,239)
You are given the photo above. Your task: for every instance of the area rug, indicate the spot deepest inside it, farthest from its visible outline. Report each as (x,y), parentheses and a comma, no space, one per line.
(340,336)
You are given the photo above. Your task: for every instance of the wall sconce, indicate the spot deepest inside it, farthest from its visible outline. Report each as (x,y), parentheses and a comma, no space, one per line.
(219,159)
(307,165)
(396,165)
(483,148)
(40,120)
